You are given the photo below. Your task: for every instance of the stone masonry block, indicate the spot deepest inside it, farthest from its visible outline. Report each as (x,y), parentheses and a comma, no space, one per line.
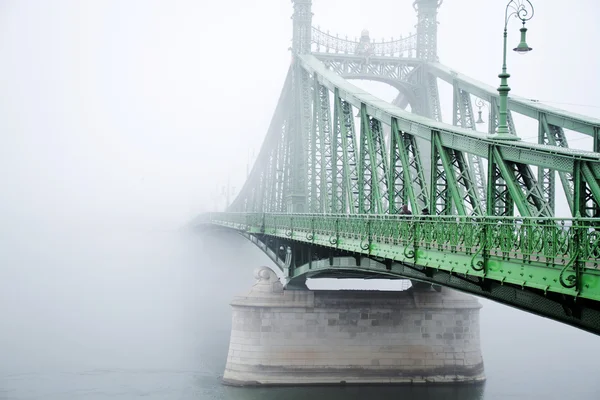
(288,337)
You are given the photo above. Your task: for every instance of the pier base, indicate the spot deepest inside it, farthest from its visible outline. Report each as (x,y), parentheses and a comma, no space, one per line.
(420,335)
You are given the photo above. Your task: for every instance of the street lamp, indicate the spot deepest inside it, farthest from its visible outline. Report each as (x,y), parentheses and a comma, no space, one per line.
(479,103)
(522,9)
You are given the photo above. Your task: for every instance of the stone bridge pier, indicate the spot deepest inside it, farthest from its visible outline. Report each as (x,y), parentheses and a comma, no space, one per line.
(292,337)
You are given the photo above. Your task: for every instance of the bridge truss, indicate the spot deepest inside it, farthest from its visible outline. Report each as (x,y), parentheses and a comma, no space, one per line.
(338,164)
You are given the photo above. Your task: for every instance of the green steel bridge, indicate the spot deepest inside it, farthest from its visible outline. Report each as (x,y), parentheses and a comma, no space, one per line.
(326,193)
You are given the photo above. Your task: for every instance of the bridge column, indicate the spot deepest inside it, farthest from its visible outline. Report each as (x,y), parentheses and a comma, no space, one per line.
(302,19)
(427,28)
(300,112)
(282,337)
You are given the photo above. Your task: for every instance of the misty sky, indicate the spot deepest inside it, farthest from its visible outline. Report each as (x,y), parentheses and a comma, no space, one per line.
(137,110)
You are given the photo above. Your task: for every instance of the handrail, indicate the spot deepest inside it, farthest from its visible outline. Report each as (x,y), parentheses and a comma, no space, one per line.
(335,44)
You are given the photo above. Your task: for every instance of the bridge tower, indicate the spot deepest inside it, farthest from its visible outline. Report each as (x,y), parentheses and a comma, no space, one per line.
(300,111)
(302,20)
(427,88)
(427,28)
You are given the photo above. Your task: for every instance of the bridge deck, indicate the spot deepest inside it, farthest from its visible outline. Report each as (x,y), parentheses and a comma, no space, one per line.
(556,255)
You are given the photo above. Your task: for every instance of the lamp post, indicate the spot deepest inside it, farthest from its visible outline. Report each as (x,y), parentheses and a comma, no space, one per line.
(479,103)
(491,124)
(522,9)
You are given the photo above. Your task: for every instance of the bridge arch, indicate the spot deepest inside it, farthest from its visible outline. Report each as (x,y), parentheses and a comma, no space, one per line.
(407,89)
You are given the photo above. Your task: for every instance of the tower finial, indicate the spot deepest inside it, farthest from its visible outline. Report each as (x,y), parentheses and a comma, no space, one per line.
(302,18)
(427,28)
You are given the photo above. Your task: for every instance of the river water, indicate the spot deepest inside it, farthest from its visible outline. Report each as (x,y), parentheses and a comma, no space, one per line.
(136,313)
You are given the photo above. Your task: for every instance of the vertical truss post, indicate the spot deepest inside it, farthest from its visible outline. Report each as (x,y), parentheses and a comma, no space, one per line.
(320,149)
(286,175)
(579,204)
(592,192)
(555,136)
(463,117)
(396,181)
(381,169)
(350,166)
(336,156)
(282,167)
(260,192)
(493,120)
(271,180)
(345,186)
(579,190)
(546,176)
(252,202)
(499,202)
(433,98)
(453,186)
(278,154)
(363,169)
(455,105)
(314,151)
(511,123)
(326,149)
(406,183)
(415,171)
(503,203)
(365,166)
(373,169)
(441,201)
(427,102)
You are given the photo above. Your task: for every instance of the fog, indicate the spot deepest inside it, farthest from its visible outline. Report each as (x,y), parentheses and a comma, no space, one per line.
(137,111)
(122,120)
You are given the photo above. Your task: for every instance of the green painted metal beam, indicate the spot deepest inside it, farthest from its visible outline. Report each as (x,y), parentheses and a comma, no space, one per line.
(522,251)
(452,185)
(508,175)
(400,172)
(452,137)
(373,171)
(527,107)
(498,202)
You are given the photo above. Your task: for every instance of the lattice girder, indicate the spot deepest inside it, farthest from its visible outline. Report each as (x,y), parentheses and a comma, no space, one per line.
(320,150)
(373,170)
(555,136)
(344,182)
(407,184)
(587,190)
(463,116)
(315,168)
(276,138)
(453,184)
(521,188)
(523,106)
(455,138)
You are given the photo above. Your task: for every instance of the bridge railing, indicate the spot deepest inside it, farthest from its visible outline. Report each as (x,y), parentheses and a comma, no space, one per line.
(328,43)
(552,241)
